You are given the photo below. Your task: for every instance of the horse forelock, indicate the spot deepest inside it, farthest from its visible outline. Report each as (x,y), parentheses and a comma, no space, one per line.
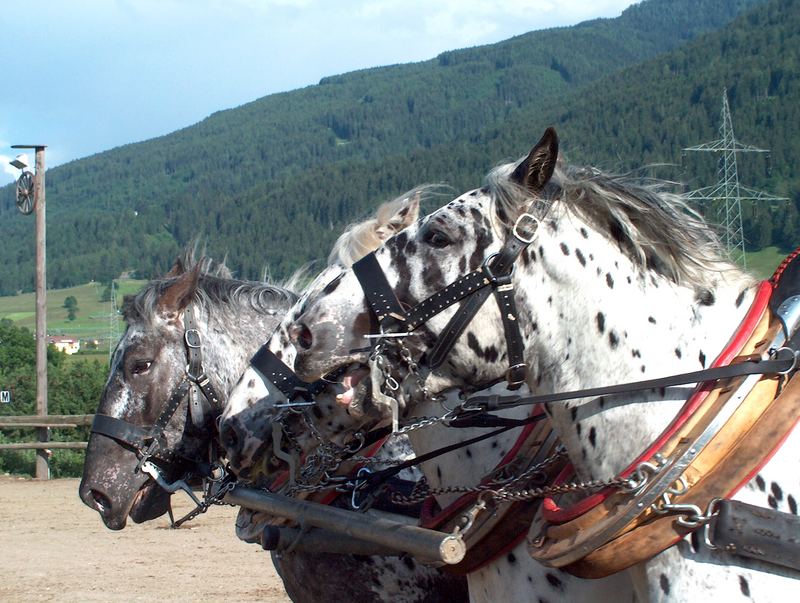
(653,226)
(361,238)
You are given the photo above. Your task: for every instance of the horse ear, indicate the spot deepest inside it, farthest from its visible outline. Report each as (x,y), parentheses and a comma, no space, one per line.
(176,270)
(537,168)
(178,295)
(405,216)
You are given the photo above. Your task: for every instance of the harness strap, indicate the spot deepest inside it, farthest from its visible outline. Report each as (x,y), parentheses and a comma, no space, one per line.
(272,369)
(378,291)
(139,437)
(746,367)
(122,431)
(455,327)
(199,409)
(495,272)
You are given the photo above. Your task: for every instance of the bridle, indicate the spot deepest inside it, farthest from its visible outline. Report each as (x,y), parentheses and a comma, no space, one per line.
(473,289)
(149,443)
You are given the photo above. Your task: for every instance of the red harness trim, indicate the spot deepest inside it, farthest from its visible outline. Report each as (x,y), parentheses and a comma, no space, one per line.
(555,514)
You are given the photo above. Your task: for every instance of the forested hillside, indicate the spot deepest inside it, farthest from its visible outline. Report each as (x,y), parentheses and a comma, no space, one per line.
(274,181)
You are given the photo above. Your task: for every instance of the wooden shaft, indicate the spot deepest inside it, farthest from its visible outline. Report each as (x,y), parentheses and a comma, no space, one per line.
(422,543)
(315,540)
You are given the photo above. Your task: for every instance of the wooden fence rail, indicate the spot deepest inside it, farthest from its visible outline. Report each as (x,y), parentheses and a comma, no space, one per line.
(49,421)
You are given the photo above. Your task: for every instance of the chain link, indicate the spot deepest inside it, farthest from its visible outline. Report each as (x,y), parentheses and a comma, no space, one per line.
(225,486)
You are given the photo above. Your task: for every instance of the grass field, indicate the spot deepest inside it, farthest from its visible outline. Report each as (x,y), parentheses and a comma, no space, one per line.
(92,321)
(763,263)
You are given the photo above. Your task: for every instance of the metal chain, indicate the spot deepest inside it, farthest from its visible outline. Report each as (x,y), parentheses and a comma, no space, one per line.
(226,485)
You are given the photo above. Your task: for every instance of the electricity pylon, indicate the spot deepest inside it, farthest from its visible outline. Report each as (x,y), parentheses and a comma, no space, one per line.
(113,322)
(728,189)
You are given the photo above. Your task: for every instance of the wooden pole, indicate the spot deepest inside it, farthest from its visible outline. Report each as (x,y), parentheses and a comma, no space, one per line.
(425,544)
(42,457)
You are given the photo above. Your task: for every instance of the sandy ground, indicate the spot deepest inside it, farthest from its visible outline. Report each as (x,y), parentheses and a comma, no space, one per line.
(53,548)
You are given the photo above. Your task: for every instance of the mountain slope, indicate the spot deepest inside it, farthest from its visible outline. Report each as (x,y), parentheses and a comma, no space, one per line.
(271,182)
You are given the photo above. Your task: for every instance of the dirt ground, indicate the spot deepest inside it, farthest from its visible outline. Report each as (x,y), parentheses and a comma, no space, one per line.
(53,548)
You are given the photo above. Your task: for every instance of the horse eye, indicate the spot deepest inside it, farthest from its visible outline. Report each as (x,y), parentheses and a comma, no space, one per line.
(437,239)
(141,366)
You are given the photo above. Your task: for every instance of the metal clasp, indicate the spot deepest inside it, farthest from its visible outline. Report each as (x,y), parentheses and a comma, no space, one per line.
(518,225)
(640,476)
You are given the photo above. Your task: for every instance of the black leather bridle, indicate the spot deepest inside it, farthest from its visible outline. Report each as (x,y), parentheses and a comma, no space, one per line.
(472,289)
(149,442)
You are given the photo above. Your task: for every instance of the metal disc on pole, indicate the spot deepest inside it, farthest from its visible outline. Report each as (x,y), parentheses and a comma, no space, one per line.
(26,202)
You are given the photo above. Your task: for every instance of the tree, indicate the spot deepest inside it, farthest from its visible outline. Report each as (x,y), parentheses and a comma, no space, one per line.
(71,304)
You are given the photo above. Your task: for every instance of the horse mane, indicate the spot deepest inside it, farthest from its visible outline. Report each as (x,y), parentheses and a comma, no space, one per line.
(216,288)
(654,226)
(364,237)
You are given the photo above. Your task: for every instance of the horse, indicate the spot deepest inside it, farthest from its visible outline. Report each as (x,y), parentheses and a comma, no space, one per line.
(614,281)
(198,306)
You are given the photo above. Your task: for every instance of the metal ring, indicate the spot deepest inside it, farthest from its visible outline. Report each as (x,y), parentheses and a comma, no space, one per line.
(776,352)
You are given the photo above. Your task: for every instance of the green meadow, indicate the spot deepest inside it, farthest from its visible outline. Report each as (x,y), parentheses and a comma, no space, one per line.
(92,319)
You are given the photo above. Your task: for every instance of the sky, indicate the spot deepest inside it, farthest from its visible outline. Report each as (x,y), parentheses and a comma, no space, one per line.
(84,76)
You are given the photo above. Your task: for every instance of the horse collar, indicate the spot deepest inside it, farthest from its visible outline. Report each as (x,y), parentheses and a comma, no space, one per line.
(700,458)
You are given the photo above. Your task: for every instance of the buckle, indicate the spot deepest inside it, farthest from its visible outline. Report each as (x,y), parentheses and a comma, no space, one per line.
(192,338)
(515,383)
(528,223)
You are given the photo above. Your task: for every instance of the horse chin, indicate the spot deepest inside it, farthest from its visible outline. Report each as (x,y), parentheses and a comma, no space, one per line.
(150,502)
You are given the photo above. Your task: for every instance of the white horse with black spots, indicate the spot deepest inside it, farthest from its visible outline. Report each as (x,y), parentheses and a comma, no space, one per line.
(621,282)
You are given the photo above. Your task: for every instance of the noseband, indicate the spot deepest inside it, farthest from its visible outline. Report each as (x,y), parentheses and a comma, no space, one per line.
(474,288)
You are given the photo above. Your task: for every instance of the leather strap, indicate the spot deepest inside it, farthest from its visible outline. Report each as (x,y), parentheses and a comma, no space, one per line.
(272,369)
(378,291)
(746,367)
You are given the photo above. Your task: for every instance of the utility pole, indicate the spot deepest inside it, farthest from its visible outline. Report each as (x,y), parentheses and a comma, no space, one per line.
(728,189)
(42,455)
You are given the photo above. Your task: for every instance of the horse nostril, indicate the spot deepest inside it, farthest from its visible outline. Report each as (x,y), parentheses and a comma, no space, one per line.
(100,500)
(301,336)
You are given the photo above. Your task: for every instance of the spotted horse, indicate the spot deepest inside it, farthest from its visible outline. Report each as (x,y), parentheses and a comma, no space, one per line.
(199,320)
(614,282)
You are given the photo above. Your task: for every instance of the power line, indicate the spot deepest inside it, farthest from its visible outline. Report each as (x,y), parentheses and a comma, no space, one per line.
(728,189)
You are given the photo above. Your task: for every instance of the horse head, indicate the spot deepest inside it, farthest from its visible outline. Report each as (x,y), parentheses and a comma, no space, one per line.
(246,427)
(333,328)
(156,418)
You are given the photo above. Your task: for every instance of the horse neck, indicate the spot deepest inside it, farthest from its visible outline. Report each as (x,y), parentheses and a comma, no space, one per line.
(466,465)
(602,320)
(230,336)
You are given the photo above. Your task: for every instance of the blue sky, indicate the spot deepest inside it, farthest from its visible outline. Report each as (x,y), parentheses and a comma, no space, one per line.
(84,76)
